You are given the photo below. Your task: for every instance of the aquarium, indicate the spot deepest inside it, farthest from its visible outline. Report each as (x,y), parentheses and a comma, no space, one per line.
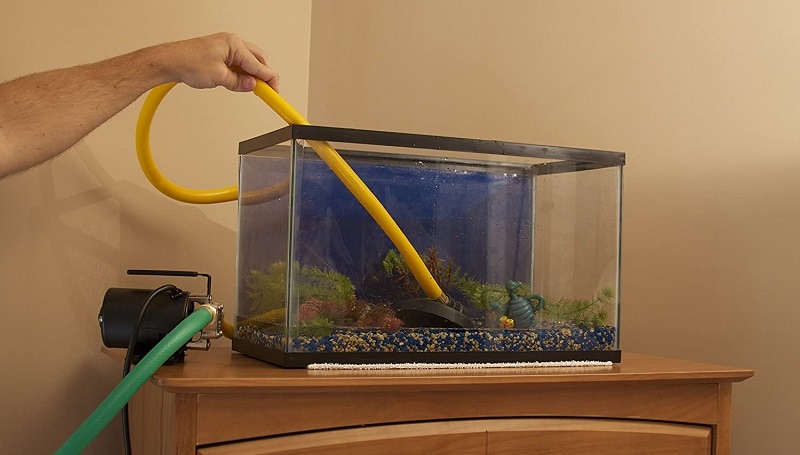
(363,246)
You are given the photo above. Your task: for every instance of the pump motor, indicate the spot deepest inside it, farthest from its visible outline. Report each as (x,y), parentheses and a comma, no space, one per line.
(123,312)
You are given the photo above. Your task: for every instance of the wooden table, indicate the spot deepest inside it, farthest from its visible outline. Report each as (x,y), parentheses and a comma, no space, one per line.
(221,402)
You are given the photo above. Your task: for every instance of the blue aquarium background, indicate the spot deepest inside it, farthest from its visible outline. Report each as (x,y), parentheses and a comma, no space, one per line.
(480,217)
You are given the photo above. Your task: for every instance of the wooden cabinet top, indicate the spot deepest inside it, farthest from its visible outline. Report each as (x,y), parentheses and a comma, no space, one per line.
(221,370)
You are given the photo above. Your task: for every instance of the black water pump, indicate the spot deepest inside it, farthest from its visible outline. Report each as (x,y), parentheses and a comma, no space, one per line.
(147,315)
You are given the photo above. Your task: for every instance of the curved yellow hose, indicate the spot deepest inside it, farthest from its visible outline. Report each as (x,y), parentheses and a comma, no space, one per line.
(149,167)
(328,154)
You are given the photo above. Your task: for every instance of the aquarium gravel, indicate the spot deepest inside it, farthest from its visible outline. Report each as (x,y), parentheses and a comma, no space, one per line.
(556,338)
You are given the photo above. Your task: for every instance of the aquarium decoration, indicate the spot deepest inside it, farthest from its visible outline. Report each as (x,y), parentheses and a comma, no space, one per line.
(522,240)
(520,309)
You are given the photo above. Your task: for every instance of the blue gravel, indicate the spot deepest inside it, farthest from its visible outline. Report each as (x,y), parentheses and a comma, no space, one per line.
(567,337)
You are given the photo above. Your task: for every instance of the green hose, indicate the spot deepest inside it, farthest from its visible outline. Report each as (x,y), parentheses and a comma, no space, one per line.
(131,383)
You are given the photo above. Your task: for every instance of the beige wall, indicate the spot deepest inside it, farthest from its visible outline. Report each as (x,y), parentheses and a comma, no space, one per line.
(703,96)
(71,227)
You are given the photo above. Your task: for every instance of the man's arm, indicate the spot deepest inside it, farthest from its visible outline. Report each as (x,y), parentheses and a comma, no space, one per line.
(44,114)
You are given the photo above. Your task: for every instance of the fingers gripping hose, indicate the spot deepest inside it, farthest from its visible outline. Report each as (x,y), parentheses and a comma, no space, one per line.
(328,154)
(125,390)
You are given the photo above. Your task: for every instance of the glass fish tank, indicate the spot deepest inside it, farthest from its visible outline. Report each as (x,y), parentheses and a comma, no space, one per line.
(360,246)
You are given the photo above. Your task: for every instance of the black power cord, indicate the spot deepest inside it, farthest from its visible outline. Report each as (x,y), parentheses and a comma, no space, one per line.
(126,367)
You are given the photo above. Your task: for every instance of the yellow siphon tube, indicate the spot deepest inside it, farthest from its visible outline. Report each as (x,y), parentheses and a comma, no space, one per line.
(328,154)
(148,165)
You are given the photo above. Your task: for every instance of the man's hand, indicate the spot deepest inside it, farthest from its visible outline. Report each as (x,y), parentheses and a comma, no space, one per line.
(222,59)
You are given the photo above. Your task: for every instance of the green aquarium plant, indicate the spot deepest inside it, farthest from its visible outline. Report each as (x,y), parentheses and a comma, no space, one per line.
(318,326)
(402,283)
(395,278)
(327,300)
(267,290)
(482,296)
(590,312)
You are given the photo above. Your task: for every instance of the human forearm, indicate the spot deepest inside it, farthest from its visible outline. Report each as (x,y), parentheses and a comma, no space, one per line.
(43,114)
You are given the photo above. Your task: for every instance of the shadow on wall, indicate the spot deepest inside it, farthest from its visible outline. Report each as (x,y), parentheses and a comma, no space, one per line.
(119,225)
(82,232)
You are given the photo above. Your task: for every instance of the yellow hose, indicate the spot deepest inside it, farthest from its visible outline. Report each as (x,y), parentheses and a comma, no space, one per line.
(328,154)
(149,167)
